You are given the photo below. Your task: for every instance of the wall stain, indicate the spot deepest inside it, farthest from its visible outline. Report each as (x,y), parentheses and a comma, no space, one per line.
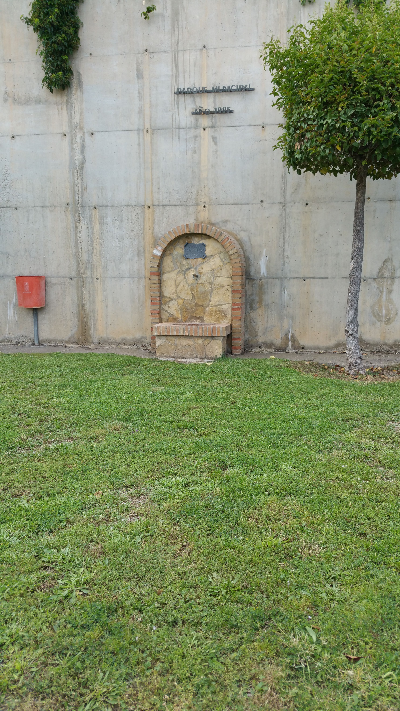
(148,187)
(384,309)
(79,227)
(202,210)
(98,286)
(254,307)
(263,264)
(289,343)
(5,181)
(12,313)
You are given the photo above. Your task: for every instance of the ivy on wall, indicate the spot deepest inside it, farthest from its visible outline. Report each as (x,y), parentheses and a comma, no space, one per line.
(147,11)
(57,26)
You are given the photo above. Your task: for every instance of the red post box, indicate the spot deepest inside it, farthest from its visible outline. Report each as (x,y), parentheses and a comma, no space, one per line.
(31,295)
(31,291)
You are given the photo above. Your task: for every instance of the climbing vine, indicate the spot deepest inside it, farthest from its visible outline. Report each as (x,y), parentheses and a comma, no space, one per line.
(147,11)
(57,26)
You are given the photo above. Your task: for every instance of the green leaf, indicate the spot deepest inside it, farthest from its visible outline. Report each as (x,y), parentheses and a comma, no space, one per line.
(312,634)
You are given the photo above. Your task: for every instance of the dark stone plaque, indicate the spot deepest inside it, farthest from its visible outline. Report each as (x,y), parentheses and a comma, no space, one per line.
(194,250)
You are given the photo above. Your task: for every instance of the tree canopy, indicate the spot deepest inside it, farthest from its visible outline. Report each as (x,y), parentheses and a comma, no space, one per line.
(337,83)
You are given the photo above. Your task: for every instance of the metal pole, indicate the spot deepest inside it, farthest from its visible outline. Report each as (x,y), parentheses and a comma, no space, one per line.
(35,326)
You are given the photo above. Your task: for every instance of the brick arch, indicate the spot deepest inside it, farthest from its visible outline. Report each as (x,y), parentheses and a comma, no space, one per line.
(236,255)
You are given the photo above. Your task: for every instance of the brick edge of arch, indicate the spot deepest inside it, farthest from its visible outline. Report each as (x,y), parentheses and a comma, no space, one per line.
(232,246)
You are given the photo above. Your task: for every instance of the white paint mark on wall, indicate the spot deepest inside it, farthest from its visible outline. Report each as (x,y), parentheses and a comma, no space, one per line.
(289,348)
(263,264)
(12,314)
(5,182)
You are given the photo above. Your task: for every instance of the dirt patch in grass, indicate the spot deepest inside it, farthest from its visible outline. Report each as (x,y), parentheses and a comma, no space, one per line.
(95,550)
(372,375)
(30,704)
(136,503)
(47,585)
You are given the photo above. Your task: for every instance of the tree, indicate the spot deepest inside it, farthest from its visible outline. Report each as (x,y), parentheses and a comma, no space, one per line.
(337,83)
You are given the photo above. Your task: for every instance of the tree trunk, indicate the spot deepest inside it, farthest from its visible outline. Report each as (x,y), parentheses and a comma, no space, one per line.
(353,350)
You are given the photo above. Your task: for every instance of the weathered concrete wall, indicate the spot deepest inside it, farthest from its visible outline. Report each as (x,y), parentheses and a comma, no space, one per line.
(91,178)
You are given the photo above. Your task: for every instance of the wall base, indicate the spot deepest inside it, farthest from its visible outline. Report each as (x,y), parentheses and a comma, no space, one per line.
(190,348)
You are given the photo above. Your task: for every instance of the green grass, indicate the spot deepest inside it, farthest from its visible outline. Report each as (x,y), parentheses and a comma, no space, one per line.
(196,537)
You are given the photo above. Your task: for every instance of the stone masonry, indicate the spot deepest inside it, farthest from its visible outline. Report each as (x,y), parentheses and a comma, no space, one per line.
(198,290)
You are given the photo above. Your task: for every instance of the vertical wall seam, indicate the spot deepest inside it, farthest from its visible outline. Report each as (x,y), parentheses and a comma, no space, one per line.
(148,222)
(77,161)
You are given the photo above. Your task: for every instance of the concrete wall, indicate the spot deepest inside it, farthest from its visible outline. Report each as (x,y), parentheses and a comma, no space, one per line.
(91,178)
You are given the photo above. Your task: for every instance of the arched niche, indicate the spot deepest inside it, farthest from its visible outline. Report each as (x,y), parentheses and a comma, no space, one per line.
(228,254)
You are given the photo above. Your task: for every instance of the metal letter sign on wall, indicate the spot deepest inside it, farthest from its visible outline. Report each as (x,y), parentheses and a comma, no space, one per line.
(215,90)
(219,110)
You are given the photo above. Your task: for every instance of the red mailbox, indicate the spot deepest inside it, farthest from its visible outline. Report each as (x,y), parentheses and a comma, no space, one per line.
(31,295)
(31,291)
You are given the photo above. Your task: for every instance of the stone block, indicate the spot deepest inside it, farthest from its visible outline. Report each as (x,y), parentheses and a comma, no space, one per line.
(215,347)
(217,314)
(190,347)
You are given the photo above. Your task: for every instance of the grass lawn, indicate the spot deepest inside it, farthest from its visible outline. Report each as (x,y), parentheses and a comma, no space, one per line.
(182,537)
